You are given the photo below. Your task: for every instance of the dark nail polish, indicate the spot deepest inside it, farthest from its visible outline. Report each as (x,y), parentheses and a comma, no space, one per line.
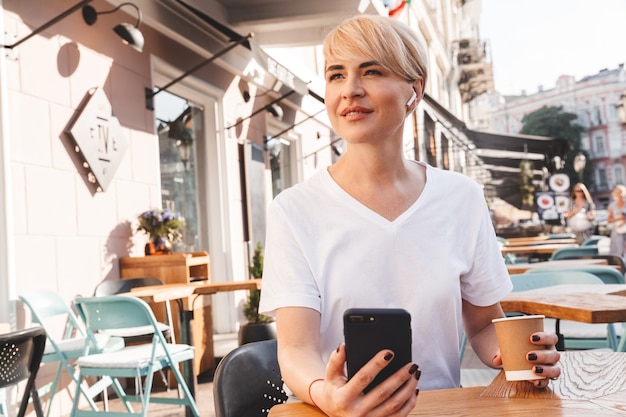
(538,369)
(413,368)
(532,356)
(418,374)
(338,346)
(417,392)
(536,338)
(388,356)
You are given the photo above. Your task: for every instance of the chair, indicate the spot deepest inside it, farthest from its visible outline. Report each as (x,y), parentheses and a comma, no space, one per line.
(561,236)
(47,309)
(615,260)
(144,334)
(117,312)
(568,253)
(255,367)
(607,274)
(20,355)
(593,240)
(577,335)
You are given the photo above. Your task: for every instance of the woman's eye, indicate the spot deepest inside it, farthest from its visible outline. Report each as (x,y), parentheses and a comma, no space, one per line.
(372,72)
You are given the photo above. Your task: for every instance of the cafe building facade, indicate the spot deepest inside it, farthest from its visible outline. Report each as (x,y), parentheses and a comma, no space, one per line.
(91,139)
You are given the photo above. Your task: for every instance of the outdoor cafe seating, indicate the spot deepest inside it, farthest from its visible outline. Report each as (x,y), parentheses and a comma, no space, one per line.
(48,308)
(115,313)
(20,356)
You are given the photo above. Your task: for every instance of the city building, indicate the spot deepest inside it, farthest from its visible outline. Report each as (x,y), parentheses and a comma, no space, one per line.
(597,100)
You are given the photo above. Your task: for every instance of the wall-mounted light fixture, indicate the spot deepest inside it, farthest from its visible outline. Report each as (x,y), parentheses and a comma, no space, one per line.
(276,111)
(181,131)
(122,29)
(131,35)
(580,162)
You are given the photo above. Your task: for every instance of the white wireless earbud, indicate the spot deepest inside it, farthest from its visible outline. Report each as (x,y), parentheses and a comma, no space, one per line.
(412,99)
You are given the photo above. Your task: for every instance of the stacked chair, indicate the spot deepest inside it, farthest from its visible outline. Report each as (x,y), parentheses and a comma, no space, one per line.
(47,309)
(116,313)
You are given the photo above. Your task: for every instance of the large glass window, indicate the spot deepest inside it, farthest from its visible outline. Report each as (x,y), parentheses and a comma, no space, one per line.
(180,126)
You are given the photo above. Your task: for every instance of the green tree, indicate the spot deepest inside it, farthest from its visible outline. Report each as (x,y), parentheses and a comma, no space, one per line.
(556,123)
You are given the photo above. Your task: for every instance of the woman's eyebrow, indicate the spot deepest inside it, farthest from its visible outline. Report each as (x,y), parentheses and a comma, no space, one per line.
(369,64)
(366,64)
(334,68)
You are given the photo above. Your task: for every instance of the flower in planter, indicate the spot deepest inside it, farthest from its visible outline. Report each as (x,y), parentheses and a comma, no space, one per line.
(161,225)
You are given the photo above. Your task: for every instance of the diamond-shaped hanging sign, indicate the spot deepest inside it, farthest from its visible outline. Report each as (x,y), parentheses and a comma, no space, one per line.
(99,140)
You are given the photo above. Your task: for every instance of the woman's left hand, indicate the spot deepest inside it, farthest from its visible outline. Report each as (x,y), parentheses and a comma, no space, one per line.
(544,360)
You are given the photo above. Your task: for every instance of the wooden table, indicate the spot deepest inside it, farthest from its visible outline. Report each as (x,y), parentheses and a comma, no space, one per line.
(540,242)
(592,383)
(520,268)
(543,238)
(600,303)
(179,292)
(547,249)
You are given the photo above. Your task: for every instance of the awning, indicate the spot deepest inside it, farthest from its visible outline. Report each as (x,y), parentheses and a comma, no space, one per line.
(261,68)
(548,147)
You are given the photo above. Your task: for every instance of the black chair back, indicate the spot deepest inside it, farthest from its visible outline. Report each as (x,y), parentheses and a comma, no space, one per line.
(247,381)
(20,356)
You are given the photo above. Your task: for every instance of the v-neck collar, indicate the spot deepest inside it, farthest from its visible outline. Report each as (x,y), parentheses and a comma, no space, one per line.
(365,211)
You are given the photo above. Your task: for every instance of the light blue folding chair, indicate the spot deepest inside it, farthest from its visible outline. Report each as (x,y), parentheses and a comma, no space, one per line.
(118,312)
(48,309)
(607,274)
(574,252)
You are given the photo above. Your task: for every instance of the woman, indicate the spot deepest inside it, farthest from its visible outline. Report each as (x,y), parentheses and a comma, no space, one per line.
(580,213)
(617,217)
(378,230)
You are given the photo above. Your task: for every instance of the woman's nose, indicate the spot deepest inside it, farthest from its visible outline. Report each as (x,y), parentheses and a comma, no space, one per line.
(352,88)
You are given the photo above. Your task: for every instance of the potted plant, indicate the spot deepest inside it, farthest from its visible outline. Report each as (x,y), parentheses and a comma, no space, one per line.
(163,227)
(258,327)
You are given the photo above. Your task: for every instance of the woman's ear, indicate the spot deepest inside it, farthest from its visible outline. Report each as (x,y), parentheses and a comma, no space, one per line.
(418,87)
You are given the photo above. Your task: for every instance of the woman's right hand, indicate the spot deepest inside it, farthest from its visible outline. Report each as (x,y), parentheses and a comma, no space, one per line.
(395,396)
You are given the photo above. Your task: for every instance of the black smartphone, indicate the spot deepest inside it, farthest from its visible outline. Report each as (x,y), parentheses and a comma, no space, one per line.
(367,331)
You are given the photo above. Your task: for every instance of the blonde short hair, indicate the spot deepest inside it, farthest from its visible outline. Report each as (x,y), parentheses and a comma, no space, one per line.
(388,41)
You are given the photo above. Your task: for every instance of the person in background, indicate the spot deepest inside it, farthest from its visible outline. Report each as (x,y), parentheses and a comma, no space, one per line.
(617,217)
(378,230)
(580,213)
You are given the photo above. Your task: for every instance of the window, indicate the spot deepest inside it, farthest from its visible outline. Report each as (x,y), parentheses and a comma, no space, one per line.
(619,174)
(602,179)
(599,144)
(596,116)
(179,124)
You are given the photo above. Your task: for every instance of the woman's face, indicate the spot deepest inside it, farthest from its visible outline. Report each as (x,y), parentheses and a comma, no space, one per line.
(617,194)
(365,101)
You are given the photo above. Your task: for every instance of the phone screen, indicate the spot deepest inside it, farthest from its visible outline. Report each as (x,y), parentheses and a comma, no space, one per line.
(368,331)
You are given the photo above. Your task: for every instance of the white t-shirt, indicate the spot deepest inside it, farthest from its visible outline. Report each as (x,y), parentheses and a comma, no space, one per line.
(326,251)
